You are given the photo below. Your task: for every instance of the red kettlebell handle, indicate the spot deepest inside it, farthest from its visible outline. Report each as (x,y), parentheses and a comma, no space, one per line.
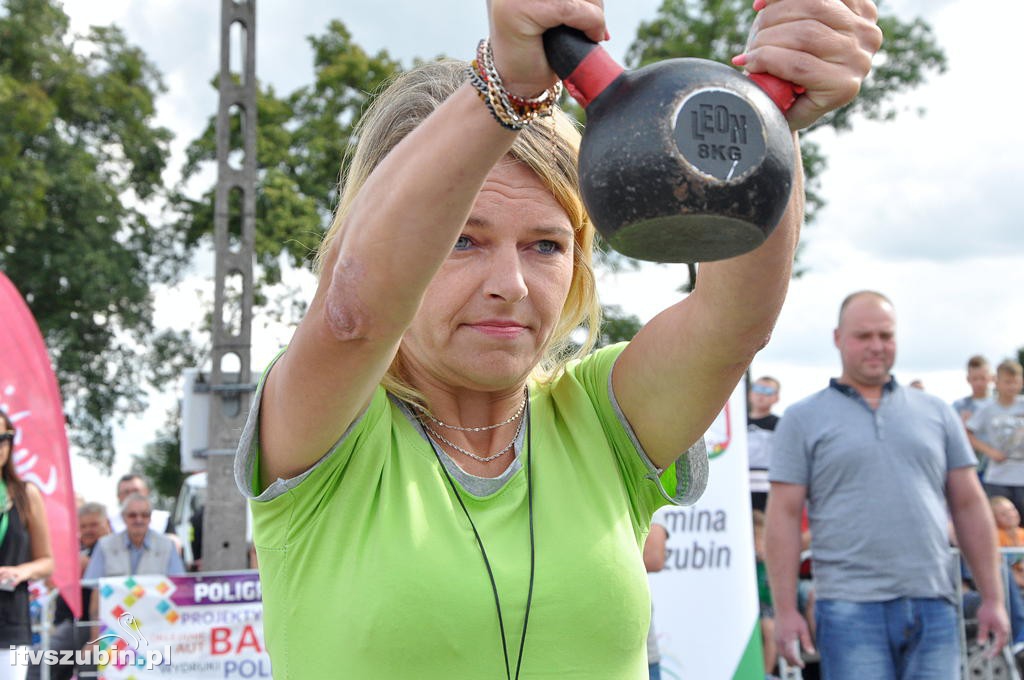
(782,92)
(588,69)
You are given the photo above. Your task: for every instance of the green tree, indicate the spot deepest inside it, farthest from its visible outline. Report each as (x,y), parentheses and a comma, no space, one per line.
(617,325)
(80,175)
(301,142)
(160,462)
(1020,359)
(717,30)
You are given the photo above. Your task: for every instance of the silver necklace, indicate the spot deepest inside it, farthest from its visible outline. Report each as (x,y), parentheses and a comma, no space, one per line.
(483,552)
(484,428)
(439,438)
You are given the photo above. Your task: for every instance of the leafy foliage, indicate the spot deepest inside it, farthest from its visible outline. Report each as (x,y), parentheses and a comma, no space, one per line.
(80,166)
(160,462)
(617,325)
(302,140)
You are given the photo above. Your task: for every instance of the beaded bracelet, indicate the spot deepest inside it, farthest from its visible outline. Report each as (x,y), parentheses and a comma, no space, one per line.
(512,112)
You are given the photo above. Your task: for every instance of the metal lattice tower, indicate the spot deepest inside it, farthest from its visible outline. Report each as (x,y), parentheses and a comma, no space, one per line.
(224,520)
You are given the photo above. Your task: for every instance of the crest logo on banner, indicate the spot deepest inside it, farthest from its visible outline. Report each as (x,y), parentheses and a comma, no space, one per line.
(719,435)
(30,396)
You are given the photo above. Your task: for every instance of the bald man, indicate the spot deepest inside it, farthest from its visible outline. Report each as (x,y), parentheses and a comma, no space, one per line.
(877,465)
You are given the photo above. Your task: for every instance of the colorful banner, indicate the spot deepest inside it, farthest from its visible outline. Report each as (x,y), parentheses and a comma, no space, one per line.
(30,396)
(203,626)
(705,599)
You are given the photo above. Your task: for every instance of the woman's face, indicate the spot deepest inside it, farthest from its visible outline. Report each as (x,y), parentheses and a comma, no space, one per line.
(488,314)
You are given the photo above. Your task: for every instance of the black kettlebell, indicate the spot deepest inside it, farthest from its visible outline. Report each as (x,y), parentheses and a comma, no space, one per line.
(684,160)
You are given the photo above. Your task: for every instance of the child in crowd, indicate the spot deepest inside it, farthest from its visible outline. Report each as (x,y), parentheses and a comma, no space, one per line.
(979,377)
(997,430)
(1011,534)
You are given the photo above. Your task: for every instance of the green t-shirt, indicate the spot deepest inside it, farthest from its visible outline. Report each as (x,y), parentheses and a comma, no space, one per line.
(370,569)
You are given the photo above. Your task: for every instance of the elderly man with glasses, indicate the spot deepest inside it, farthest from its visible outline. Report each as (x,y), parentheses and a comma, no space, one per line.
(136,550)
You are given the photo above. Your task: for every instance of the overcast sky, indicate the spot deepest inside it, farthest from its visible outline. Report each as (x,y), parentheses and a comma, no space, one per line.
(924,208)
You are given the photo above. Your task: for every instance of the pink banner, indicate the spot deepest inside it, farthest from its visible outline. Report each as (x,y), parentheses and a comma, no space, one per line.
(30,396)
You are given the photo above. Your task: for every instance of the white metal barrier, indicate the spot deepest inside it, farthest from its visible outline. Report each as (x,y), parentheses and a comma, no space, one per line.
(974,663)
(45,627)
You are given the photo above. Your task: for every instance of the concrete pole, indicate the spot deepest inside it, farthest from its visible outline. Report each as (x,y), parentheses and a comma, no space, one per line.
(224,518)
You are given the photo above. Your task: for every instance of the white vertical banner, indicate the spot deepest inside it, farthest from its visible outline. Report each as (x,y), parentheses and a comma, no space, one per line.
(705,599)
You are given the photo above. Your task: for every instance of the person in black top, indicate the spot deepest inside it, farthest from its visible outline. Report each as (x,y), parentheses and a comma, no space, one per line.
(24,548)
(67,634)
(761,422)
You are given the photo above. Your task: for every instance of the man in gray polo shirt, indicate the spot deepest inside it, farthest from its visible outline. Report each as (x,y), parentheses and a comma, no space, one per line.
(878,466)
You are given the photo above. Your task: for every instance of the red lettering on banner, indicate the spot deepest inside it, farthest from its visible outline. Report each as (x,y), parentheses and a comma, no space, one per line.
(249,639)
(220,640)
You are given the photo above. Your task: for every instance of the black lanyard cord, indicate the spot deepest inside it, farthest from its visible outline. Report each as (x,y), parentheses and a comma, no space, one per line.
(529,501)
(483,552)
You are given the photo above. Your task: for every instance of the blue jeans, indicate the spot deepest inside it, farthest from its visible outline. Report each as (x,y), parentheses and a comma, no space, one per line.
(902,639)
(654,670)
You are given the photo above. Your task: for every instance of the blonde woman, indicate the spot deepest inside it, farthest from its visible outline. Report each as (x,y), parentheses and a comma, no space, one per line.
(444,485)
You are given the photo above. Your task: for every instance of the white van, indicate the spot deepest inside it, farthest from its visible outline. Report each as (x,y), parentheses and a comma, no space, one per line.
(191,499)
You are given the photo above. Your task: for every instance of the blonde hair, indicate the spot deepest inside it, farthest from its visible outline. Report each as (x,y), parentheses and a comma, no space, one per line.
(1009,367)
(549,148)
(999,500)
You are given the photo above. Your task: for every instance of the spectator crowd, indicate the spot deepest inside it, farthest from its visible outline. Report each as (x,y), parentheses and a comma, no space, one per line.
(860,491)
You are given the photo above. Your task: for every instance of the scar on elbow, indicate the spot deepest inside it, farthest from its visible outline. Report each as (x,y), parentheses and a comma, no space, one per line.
(344,312)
